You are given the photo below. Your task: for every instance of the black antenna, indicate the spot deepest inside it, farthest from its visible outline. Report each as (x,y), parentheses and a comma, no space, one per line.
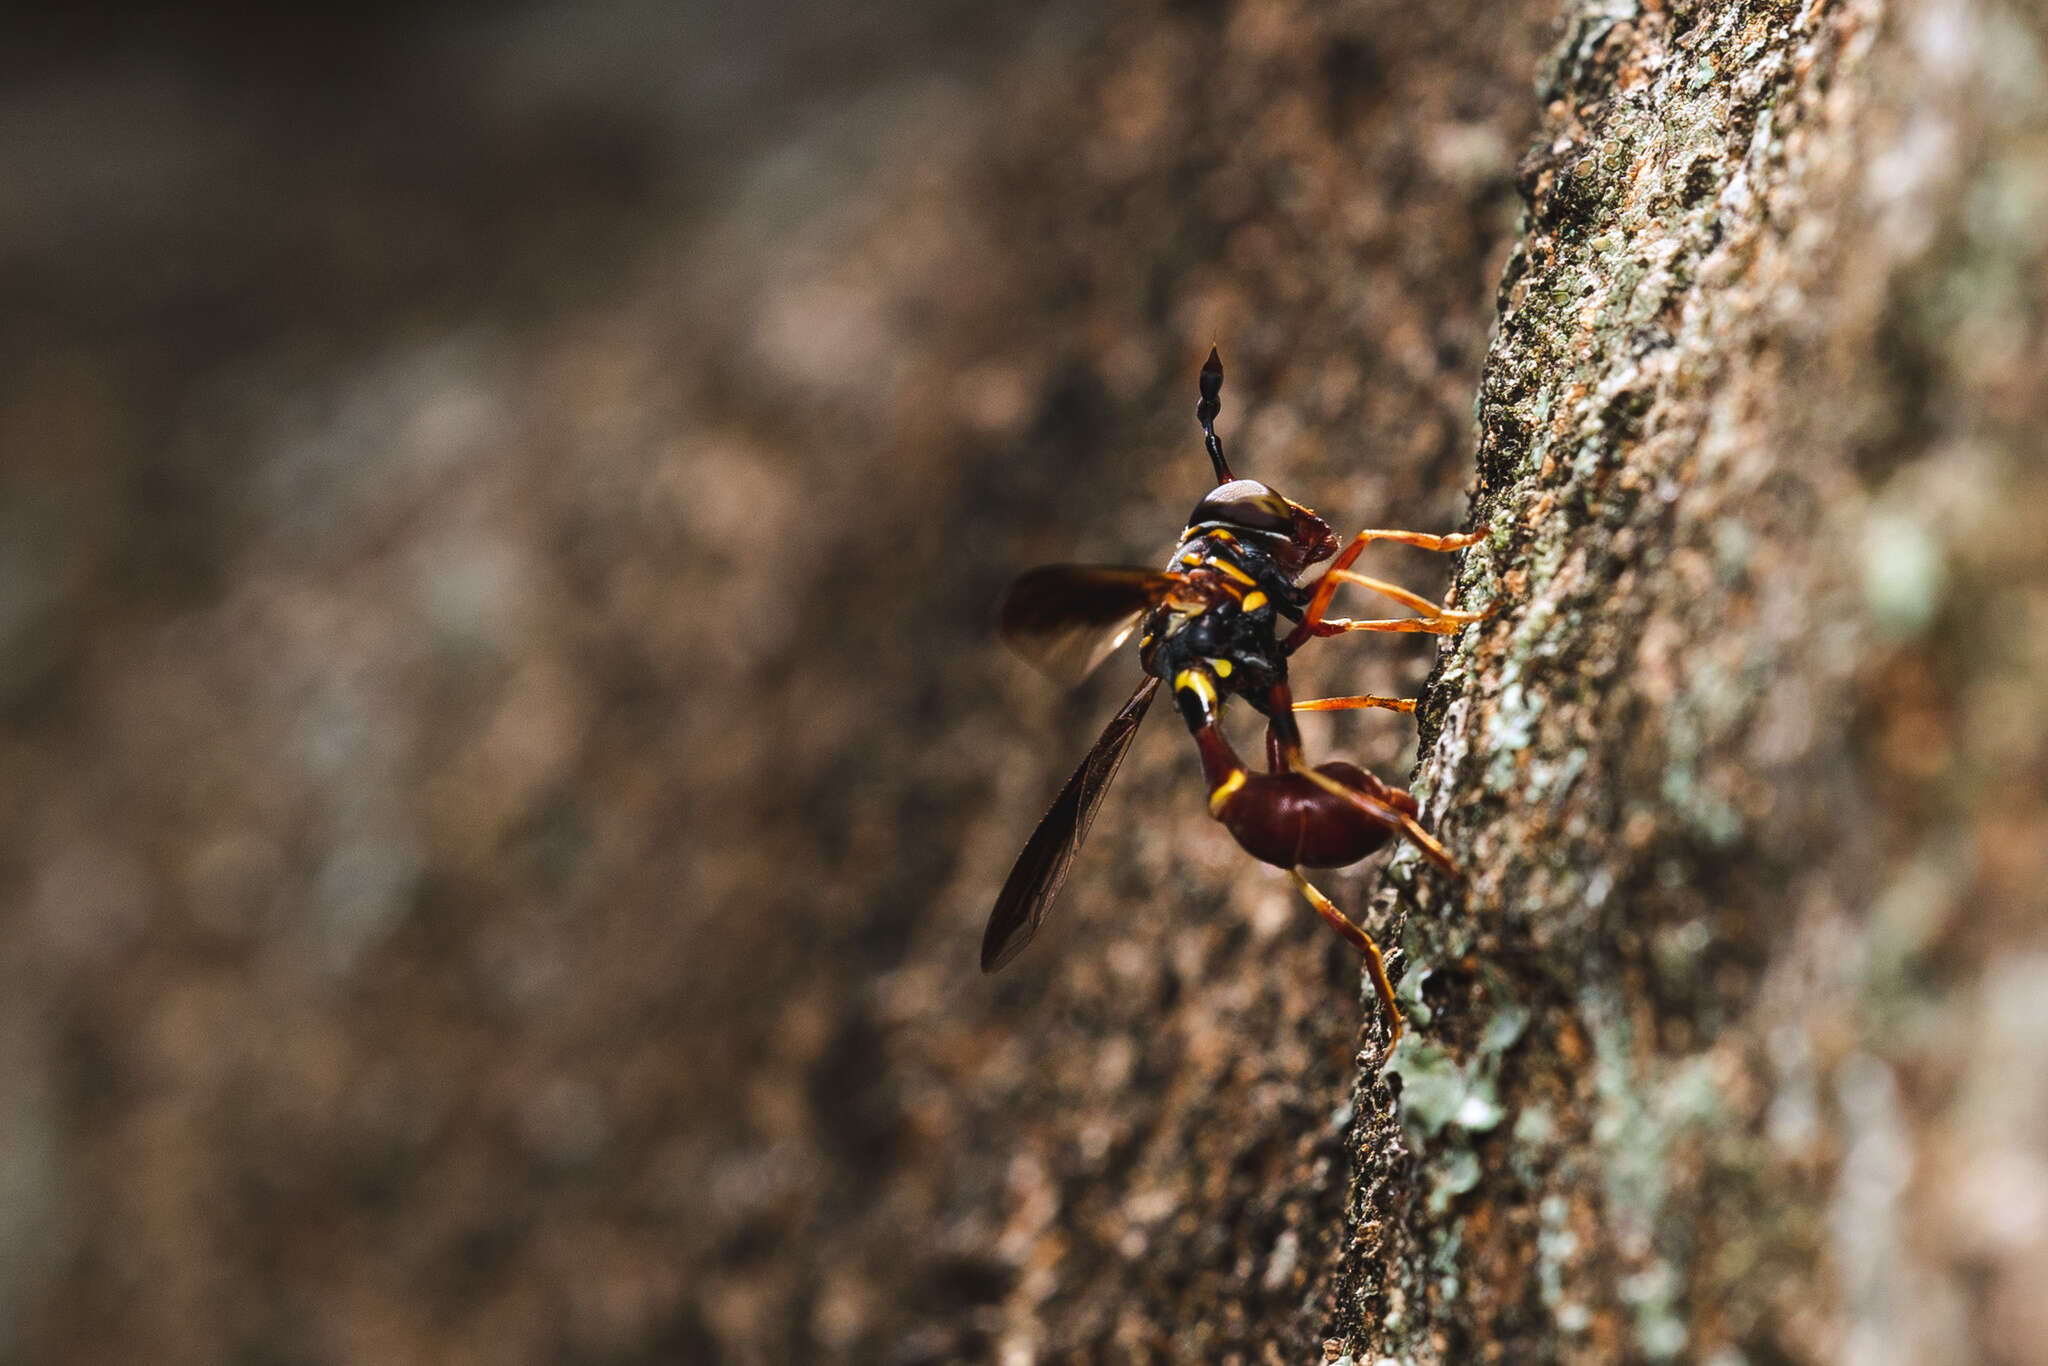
(1206,410)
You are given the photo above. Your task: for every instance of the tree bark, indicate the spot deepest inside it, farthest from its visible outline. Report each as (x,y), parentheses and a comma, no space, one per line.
(1698,1015)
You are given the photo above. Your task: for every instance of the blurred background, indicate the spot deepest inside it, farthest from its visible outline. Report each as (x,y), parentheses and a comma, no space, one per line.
(503,755)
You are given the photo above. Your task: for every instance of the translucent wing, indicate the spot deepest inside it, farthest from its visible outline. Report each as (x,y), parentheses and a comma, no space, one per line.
(1067,618)
(1043,865)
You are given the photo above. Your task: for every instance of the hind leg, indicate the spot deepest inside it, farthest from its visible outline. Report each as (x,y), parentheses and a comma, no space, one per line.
(1363,942)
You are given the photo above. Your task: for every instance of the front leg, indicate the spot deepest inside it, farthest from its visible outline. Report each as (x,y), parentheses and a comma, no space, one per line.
(1313,621)
(1357,703)
(1432,619)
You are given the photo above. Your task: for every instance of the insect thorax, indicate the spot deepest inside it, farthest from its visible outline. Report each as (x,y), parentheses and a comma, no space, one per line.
(1227,624)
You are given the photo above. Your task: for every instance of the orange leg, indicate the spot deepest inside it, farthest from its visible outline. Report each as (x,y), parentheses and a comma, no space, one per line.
(1450,623)
(1434,620)
(1339,574)
(1361,941)
(1413,601)
(1358,703)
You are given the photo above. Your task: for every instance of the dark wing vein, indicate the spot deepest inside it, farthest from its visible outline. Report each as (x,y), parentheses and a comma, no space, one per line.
(1043,865)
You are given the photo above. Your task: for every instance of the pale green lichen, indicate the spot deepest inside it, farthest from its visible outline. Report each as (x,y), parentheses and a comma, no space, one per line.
(1903,574)
(1706,713)
(1437,1091)
(1549,779)
(1734,543)
(1556,1245)
(1510,730)
(1904,919)
(1444,1104)
(1653,1294)
(1453,1179)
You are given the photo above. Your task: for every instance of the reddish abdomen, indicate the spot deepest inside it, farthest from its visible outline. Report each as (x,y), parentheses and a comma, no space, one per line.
(1286,820)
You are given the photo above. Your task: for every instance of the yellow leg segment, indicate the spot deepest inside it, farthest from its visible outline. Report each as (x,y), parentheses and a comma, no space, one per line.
(1414,601)
(1421,540)
(1391,817)
(1358,703)
(1340,573)
(1450,623)
(1361,941)
(1435,619)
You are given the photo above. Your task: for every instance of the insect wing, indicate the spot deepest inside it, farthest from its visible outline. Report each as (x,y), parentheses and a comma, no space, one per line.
(1067,618)
(1043,865)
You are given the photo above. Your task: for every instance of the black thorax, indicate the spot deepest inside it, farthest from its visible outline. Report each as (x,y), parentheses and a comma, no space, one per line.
(1226,625)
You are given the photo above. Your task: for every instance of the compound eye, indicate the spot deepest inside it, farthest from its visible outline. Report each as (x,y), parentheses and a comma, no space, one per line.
(1246,505)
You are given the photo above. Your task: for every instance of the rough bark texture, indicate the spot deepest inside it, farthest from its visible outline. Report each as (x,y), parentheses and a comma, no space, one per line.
(505,760)
(1727,963)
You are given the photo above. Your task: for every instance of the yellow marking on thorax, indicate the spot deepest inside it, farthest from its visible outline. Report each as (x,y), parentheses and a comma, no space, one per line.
(1233,571)
(1222,667)
(1252,602)
(1225,790)
(1196,682)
